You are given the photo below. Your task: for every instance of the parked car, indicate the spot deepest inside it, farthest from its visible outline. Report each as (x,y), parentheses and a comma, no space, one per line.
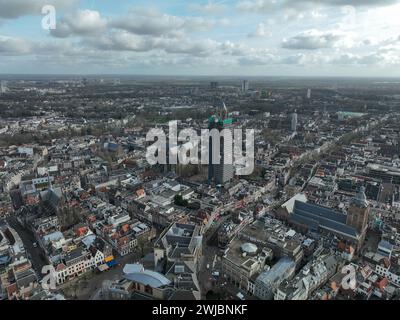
(240,296)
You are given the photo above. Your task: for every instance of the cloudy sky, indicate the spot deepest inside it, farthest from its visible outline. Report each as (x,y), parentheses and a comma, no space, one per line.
(211,37)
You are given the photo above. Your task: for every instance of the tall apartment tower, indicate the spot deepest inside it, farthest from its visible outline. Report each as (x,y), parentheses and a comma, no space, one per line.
(358,212)
(223,172)
(245,85)
(293,124)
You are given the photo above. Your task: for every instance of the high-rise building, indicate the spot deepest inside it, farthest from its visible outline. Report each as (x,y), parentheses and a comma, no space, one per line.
(3,87)
(293,125)
(357,214)
(309,94)
(245,85)
(213,85)
(221,172)
(325,113)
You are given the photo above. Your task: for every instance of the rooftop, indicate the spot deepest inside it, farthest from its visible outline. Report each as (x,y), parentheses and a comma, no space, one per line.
(137,273)
(278,270)
(315,216)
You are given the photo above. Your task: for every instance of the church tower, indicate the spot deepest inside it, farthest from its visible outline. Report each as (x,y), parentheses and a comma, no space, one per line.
(357,214)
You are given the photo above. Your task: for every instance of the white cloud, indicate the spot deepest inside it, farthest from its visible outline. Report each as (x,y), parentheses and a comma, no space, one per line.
(314,39)
(258,60)
(301,59)
(303,35)
(82,22)
(234,49)
(126,41)
(350,59)
(268,6)
(14,46)
(153,22)
(11,9)
(211,8)
(261,31)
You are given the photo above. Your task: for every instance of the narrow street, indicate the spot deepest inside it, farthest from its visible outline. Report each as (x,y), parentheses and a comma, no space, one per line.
(210,251)
(35,254)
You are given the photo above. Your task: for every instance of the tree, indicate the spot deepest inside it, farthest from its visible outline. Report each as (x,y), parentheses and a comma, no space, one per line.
(179,201)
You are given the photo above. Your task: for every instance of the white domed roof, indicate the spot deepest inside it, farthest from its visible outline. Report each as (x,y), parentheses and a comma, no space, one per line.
(249,248)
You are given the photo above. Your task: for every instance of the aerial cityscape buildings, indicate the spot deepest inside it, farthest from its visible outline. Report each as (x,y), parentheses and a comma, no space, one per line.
(79,198)
(125,130)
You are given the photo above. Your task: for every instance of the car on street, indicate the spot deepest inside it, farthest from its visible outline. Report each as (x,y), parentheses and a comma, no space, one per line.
(240,296)
(215,274)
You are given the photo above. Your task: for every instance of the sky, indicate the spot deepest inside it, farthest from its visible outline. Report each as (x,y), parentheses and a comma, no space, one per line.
(357,38)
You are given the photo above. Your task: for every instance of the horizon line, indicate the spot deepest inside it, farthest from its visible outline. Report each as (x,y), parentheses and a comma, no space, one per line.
(200,76)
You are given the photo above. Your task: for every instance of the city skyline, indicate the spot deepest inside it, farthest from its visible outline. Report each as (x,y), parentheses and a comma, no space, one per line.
(224,38)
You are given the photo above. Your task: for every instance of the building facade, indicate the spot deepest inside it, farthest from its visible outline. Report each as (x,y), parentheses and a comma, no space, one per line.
(221,172)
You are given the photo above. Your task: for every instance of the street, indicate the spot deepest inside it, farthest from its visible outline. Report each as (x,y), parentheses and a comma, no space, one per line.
(34,254)
(210,252)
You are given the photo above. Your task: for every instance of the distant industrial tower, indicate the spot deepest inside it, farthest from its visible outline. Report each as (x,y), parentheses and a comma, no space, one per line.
(357,214)
(223,172)
(245,85)
(293,125)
